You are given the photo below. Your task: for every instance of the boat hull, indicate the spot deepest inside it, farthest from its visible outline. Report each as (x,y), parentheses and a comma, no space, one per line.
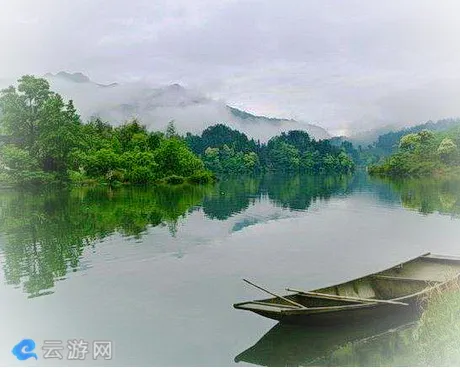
(400,289)
(345,316)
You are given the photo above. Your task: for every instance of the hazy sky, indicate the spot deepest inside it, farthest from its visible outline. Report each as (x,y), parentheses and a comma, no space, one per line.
(344,64)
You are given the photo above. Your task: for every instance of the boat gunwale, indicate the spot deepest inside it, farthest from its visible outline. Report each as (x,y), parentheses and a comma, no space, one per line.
(290,311)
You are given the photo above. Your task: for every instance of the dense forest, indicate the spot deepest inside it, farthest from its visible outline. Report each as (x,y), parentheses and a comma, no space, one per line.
(229,151)
(388,143)
(425,153)
(44,140)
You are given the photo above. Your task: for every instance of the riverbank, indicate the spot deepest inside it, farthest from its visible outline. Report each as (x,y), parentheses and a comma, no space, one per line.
(438,333)
(425,154)
(433,340)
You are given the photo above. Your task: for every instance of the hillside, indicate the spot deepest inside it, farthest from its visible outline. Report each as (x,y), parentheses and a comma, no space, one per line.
(191,110)
(388,143)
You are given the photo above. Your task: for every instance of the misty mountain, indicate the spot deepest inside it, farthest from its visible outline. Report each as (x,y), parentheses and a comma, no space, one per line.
(76,78)
(368,137)
(395,131)
(388,143)
(191,110)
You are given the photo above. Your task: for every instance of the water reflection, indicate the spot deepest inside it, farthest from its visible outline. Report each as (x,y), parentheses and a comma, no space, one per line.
(428,196)
(44,234)
(373,343)
(235,195)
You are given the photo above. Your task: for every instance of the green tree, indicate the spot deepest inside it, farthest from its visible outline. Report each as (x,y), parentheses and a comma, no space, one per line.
(212,159)
(171,130)
(251,162)
(175,158)
(59,134)
(13,158)
(131,135)
(447,150)
(22,109)
(284,157)
(346,164)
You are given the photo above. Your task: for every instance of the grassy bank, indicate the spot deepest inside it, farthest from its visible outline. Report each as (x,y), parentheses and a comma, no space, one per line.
(437,337)
(433,340)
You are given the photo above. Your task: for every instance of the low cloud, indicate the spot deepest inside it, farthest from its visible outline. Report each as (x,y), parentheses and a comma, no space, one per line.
(349,65)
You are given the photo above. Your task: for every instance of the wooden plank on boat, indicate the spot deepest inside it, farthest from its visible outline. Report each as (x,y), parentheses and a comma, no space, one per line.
(399,278)
(342,297)
(435,257)
(278,296)
(273,305)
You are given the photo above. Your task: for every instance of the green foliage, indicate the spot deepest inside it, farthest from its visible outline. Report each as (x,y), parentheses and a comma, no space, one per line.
(47,140)
(22,110)
(171,131)
(448,151)
(227,151)
(409,142)
(140,175)
(438,333)
(201,177)
(99,163)
(428,195)
(13,158)
(59,134)
(284,157)
(422,154)
(389,143)
(46,231)
(175,158)
(174,180)
(77,177)
(219,135)
(18,167)
(32,178)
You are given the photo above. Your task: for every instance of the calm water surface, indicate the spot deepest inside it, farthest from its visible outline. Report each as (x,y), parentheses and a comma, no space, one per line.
(156,270)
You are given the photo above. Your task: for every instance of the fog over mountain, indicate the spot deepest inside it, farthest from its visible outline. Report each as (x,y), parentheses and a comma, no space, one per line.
(350,65)
(191,110)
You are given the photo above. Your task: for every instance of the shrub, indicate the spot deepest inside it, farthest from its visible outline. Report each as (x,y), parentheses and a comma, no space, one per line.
(140,175)
(202,177)
(174,180)
(33,178)
(76,177)
(438,333)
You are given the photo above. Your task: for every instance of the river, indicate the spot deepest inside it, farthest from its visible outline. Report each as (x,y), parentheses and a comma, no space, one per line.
(155,270)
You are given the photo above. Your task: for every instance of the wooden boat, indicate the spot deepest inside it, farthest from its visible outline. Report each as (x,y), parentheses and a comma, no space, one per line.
(393,290)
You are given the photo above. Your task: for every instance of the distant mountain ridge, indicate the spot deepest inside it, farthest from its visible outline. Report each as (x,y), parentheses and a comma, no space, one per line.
(246,115)
(388,142)
(155,107)
(76,78)
(394,132)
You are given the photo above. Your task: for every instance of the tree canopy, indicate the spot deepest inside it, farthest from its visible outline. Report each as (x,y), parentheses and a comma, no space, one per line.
(228,151)
(47,141)
(423,154)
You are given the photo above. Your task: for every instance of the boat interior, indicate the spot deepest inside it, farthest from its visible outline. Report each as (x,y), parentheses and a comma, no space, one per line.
(391,285)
